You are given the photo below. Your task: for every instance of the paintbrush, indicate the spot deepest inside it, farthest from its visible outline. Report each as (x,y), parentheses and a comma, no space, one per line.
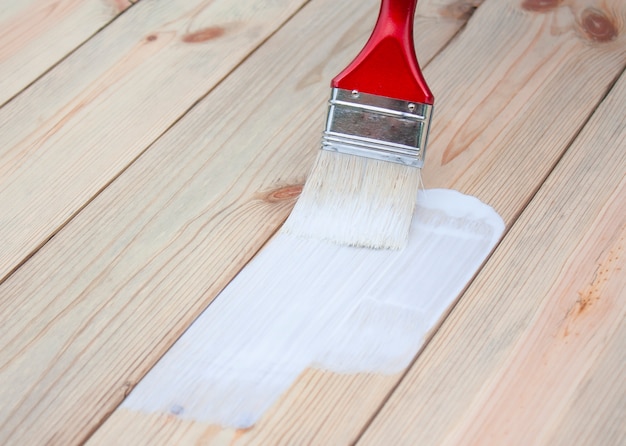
(363,186)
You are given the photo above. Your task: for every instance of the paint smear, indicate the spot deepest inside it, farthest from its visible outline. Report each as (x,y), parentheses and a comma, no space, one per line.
(306,303)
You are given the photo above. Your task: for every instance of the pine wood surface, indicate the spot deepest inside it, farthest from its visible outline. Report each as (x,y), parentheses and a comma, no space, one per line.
(36,34)
(89,313)
(71,133)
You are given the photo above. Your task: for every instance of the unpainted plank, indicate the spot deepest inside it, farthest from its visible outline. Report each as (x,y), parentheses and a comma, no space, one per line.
(597,410)
(36,34)
(534,354)
(92,311)
(512,77)
(68,135)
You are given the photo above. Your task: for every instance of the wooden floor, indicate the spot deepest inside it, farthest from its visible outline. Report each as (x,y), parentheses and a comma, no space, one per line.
(149,148)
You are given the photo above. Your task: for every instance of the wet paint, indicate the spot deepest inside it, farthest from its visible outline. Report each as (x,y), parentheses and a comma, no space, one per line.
(306,303)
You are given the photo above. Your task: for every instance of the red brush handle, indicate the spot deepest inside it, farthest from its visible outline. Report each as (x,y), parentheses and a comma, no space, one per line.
(387,66)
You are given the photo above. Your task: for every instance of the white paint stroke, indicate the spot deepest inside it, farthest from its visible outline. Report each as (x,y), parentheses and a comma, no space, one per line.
(306,303)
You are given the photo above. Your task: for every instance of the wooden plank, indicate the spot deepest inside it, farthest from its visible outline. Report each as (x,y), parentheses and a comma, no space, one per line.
(534,353)
(509,65)
(36,34)
(67,136)
(92,311)
(596,412)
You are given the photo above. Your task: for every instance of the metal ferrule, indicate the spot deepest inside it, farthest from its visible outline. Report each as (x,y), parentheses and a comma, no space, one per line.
(377,127)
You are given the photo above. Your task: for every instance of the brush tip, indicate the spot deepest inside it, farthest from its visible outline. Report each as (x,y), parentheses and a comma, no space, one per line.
(356,201)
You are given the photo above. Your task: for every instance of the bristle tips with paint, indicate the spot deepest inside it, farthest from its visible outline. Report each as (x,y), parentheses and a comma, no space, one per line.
(356,201)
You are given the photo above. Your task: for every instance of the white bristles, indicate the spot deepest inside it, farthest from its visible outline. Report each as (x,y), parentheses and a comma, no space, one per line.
(356,201)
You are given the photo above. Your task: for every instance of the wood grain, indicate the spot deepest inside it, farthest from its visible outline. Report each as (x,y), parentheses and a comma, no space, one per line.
(509,104)
(102,300)
(72,132)
(528,83)
(85,318)
(534,353)
(36,34)
(596,410)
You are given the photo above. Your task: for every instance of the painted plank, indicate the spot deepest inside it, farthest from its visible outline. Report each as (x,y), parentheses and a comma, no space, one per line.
(36,34)
(534,353)
(72,132)
(302,303)
(87,316)
(512,62)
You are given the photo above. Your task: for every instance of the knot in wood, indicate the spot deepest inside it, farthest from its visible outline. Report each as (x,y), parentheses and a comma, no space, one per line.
(541,5)
(204,35)
(284,193)
(597,25)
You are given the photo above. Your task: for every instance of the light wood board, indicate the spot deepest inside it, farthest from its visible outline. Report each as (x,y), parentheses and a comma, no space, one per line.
(518,65)
(72,132)
(534,353)
(36,34)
